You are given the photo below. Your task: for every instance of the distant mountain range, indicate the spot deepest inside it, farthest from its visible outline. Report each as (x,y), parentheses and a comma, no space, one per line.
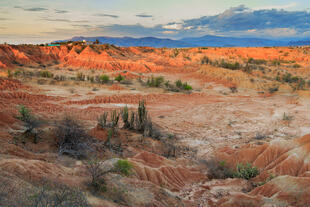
(205,41)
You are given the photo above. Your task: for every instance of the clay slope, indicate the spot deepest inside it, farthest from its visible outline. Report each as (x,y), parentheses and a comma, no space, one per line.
(164,172)
(88,57)
(288,160)
(281,191)
(277,157)
(142,59)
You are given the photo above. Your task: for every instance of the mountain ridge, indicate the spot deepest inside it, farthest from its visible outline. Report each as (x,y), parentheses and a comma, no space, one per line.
(204,41)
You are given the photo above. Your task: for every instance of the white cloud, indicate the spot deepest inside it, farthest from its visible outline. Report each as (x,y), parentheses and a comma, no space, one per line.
(188,28)
(176,26)
(286,6)
(169,32)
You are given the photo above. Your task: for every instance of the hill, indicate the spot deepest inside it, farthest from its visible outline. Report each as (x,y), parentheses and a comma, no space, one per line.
(204,41)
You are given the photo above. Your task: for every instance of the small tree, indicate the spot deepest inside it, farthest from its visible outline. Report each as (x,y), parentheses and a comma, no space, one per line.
(31,123)
(104,79)
(187,87)
(119,78)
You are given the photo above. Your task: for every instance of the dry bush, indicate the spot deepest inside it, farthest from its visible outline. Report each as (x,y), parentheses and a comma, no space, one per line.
(72,138)
(94,168)
(217,169)
(46,194)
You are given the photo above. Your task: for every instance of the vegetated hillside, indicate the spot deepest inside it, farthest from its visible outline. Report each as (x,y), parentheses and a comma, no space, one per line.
(106,126)
(204,41)
(258,68)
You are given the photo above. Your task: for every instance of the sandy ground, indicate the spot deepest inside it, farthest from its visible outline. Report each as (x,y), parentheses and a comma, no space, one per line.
(204,120)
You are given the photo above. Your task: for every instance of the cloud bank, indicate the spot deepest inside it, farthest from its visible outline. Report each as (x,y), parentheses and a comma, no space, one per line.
(236,21)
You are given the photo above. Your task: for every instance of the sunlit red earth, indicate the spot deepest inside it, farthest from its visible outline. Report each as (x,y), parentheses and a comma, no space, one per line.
(208,122)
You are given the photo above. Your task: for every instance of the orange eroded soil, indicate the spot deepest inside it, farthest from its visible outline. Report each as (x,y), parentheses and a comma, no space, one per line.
(210,121)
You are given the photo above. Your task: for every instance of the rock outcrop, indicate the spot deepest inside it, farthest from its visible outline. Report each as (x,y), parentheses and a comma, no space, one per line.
(288,161)
(164,172)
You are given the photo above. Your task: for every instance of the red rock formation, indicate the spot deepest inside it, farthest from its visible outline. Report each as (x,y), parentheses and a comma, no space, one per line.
(164,172)
(10,84)
(281,191)
(289,160)
(277,157)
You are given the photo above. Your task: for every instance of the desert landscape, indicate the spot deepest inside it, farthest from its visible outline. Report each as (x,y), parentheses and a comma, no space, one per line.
(105,126)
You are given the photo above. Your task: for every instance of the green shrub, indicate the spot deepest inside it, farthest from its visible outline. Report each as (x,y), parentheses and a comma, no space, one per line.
(205,60)
(187,87)
(123,166)
(246,171)
(183,86)
(155,81)
(276,62)
(257,61)
(273,89)
(119,78)
(46,74)
(17,73)
(296,65)
(30,122)
(104,79)
(231,66)
(179,84)
(301,84)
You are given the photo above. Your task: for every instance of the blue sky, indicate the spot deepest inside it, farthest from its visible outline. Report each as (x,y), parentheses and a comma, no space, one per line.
(36,21)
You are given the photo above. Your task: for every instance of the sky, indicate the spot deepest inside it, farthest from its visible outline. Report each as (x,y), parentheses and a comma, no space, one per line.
(40,21)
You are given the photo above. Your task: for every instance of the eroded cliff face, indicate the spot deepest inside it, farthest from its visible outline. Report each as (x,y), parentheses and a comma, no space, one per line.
(152,60)
(287,160)
(142,59)
(90,57)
